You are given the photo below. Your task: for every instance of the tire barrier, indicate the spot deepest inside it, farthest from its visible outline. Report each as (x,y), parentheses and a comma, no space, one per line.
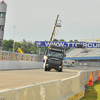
(72,88)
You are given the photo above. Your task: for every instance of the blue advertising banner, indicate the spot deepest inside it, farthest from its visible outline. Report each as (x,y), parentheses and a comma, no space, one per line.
(67,44)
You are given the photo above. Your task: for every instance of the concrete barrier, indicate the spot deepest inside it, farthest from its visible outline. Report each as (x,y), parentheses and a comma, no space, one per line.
(85,77)
(16,65)
(72,88)
(31,92)
(7,94)
(51,90)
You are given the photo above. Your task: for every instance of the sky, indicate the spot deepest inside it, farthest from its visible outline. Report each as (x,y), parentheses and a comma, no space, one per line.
(35,19)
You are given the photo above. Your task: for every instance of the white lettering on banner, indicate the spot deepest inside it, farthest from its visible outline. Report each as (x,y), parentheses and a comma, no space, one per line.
(84,44)
(50,43)
(62,44)
(55,43)
(89,44)
(68,44)
(58,44)
(47,43)
(94,45)
(73,44)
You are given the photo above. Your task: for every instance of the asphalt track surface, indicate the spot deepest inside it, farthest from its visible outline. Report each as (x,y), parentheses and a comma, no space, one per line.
(17,78)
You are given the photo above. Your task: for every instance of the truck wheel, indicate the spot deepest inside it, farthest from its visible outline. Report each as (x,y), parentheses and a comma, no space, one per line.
(45,68)
(60,70)
(48,69)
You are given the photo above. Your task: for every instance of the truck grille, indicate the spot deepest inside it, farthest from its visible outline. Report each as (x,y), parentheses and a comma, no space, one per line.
(54,61)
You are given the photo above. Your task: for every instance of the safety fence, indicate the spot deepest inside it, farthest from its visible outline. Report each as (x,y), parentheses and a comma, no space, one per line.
(72,88)
(13,56)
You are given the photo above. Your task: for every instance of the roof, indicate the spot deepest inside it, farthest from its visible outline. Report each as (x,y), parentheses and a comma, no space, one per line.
(81,58)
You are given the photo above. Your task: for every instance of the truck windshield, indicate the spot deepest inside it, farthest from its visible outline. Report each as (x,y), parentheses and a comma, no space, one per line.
(55,54)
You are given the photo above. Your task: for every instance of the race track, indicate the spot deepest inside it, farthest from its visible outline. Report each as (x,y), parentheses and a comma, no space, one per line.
(17,78)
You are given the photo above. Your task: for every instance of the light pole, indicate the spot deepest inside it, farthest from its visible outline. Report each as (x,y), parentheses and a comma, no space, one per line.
(14,37)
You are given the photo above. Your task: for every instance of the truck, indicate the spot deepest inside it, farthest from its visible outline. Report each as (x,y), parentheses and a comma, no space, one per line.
(54,58)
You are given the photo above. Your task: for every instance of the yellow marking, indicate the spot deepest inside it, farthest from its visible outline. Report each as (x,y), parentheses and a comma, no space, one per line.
(35,58)
(53,69)
(1,56)
(77,96)
(15,57)
(21,57)
(9,56)
(26,57)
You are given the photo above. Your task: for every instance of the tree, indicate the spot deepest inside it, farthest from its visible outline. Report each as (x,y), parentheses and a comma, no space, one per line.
(17,45)
(8,45)
(71,41)
(62,40)
(24,46)
(28,46)
(55,40)
(75,40)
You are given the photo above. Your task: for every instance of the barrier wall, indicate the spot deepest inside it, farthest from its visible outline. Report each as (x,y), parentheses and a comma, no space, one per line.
(16,65)
(13,56)
(72,88)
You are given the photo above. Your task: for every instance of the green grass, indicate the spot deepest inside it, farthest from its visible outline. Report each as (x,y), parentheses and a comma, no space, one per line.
(92,92)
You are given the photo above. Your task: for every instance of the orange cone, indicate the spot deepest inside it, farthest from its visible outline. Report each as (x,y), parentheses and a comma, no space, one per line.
(99,77)
(90,80)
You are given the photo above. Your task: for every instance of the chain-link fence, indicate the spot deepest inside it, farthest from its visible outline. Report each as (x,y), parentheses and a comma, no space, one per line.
(7,55)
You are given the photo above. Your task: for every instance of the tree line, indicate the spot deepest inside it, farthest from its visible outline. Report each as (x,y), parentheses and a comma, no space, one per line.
(27,46)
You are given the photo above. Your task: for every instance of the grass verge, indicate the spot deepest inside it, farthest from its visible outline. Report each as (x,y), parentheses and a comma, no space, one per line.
(92,92)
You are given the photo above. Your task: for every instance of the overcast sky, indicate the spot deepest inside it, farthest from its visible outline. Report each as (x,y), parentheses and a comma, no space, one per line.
(35,19)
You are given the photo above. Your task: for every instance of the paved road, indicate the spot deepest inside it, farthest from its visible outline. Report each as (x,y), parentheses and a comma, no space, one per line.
(17,78)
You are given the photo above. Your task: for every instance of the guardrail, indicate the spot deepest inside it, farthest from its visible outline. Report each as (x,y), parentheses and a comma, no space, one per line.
(13,56)
(72,88)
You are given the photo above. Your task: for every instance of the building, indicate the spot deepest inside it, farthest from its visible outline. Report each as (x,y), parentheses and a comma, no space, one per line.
(3,7)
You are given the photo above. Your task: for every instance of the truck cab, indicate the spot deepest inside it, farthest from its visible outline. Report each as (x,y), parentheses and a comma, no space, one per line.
(54,59)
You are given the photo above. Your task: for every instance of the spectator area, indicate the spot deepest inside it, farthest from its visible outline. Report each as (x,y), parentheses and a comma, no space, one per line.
(81,52)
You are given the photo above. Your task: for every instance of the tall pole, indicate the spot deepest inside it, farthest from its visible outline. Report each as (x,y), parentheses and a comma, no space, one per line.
(14,38)
(39,51)
(54,28)
(53,32)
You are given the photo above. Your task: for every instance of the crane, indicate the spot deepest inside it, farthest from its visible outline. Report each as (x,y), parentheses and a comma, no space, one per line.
(56,25)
